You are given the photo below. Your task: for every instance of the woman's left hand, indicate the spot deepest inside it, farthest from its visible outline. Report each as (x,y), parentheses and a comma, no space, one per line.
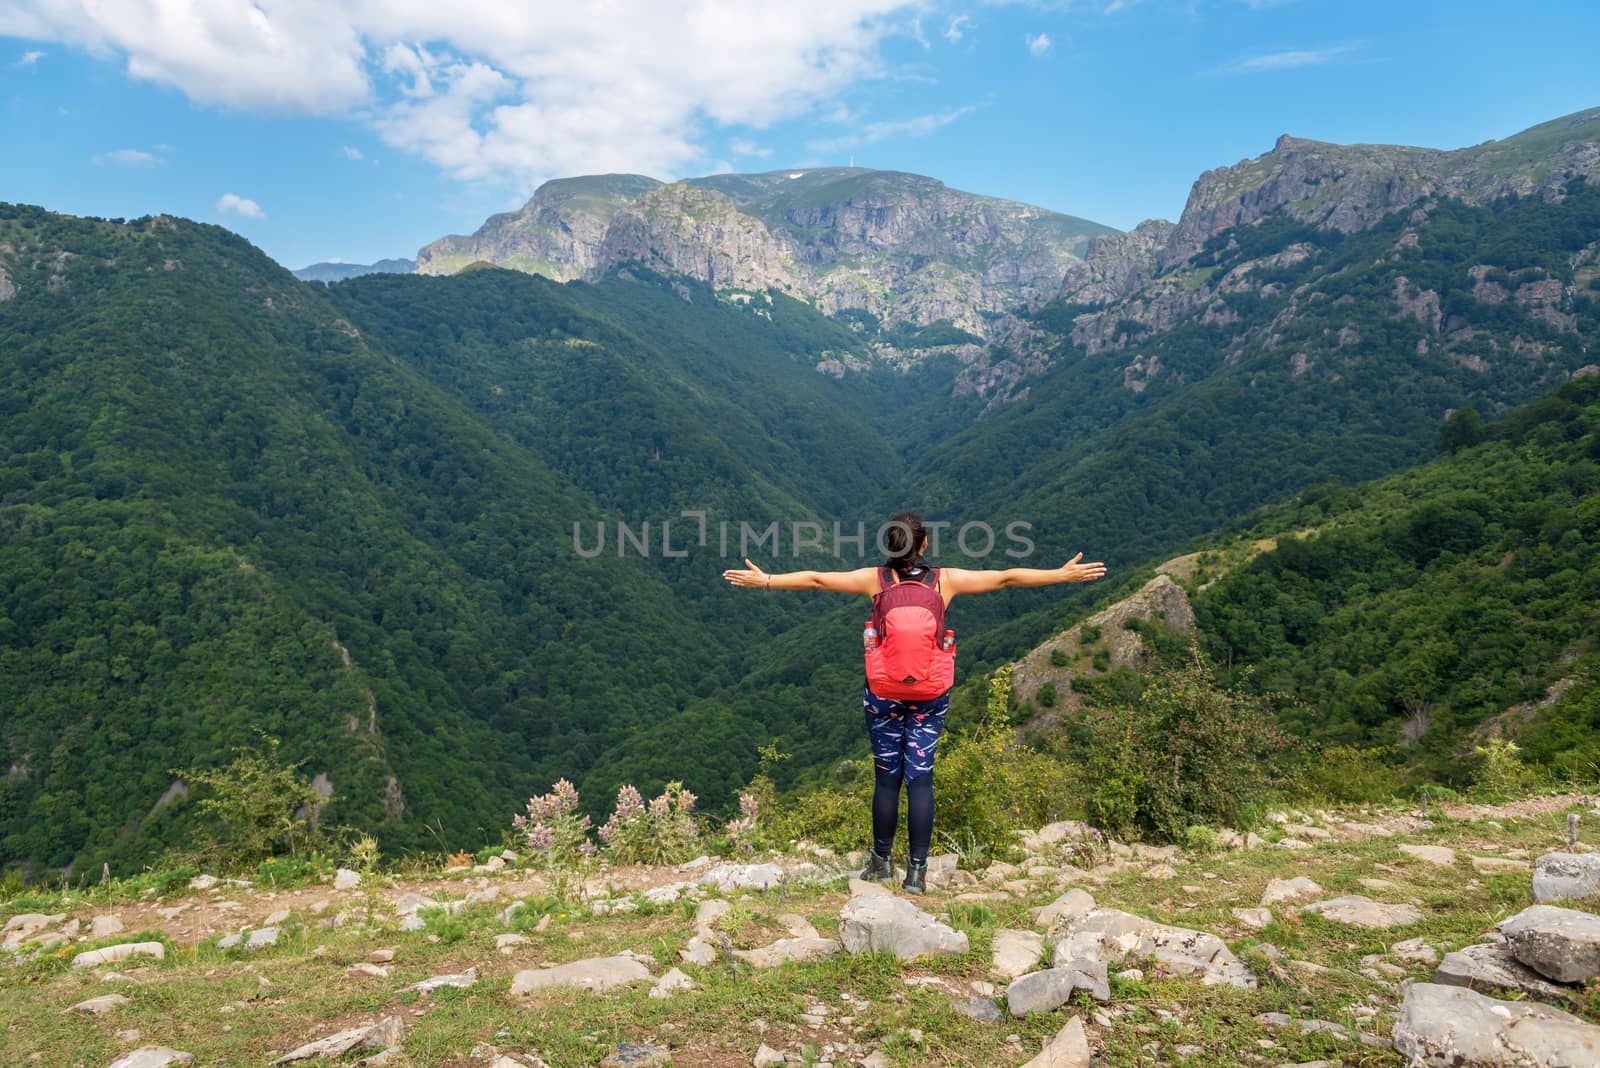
(749,576)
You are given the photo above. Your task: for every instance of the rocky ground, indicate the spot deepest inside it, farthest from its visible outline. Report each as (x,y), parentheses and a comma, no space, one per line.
(1460,935)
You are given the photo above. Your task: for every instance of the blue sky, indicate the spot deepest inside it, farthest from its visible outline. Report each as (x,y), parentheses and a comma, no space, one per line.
(343,129)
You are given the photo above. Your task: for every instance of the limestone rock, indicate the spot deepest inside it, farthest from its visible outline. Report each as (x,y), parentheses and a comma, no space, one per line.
(1109,936)
(1440,856)
(1496,865)
(1049,989)
(1069,1049)
(152,1057)
(1561,944)
(121,951)
(1016,952)
(105,926)
(345,879)
(1490,968)
(1358,911)
(1289,891)
(1559,876)
(102,1004)
(743,876)
(263,938)
(767,1057)
(1069,906)
(460,981)
(1416,949)
(595,973)
(874,922)
(670,983)
(981,1009)
(1453,1027)
(385,1034)
(1255,919)
(785,950)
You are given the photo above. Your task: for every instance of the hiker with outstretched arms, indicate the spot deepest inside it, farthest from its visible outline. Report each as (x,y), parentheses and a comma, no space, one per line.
(910,662)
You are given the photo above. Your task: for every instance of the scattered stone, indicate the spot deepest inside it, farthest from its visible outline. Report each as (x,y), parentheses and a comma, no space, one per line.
(118,977)
(23,926)
(1559,876)
(637,1055)
(1376,884)
(671,983)
(766,1057)
(1358,911)
(1109,935)
(386,1034)
(381,956)
(1049,989)
(262,939)
(229,941)
(459,981)
(152,1057)
(1441,856)
(1069,906)
(1306,830)
(504,942)
(1289,891)
(594,973)
(1293,843)
(103,1003)
(1453,1026)
(743,876)
(105,926)
(1161,871)
(1016,952)
(273,919)
(1490,968)
(203,882)
(1416,949)
(1069,1049)
(121,951)
(370,971)
(874,922)
(1253,918)
(785,950)
(408,904)
(1561,944)
(345,879)
(981,1009)
(1135,975)
(1496,865)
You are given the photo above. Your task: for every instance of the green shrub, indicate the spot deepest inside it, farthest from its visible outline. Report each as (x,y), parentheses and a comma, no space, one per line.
(1200,839)
(1059,657)
(1088,635)
(1348,773)
(1187,751)
(261,806)
(1501,774)
(1047,694)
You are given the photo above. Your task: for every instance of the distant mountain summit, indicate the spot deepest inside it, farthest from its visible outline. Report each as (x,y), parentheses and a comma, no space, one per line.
(338,272)
(903,249)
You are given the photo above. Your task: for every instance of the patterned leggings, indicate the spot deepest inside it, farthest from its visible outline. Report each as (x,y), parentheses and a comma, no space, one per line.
(905,737)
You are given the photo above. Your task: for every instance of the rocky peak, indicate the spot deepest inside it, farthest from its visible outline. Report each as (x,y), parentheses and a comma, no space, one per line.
(701,233)
(557,233)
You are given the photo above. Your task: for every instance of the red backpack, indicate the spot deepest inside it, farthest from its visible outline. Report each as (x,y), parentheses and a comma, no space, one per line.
(910,661)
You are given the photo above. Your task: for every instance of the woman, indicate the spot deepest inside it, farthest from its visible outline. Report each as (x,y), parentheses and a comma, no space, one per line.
(905,732)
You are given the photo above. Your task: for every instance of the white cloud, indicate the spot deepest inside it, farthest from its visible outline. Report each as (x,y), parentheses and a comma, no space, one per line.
(233,204)
(488,90)
(1038,43)
(873,132)
(957,28)
(1287,60)
(126,157)
(351,152)
(743,146)
(30,58)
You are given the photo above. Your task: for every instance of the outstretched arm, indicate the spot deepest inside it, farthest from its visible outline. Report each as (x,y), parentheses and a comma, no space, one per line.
(862,580)
(957,580)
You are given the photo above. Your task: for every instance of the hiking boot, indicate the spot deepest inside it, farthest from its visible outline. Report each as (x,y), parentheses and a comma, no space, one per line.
(916,878)
(878,869)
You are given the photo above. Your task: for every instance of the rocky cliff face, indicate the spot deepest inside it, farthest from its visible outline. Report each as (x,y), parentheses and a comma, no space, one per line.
(557,233)
(903,248)
(683,229)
